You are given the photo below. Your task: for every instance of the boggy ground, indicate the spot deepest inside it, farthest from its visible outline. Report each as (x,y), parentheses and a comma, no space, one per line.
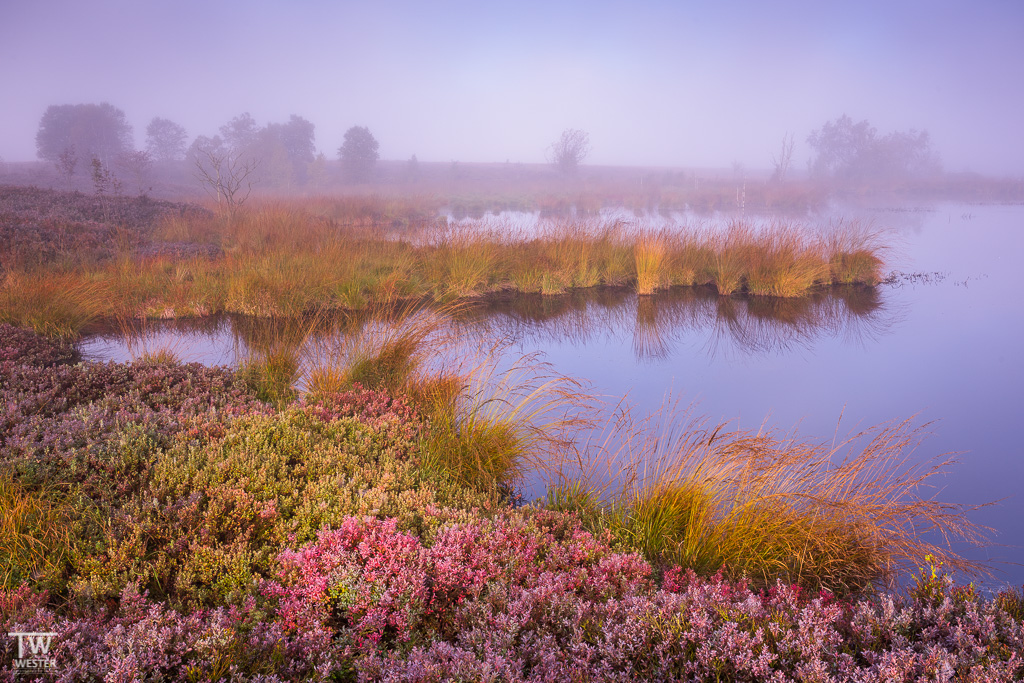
(165,522)
(68,259)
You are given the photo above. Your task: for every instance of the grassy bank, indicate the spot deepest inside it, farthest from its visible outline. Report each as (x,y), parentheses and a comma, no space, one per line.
(288,258)
(365,529)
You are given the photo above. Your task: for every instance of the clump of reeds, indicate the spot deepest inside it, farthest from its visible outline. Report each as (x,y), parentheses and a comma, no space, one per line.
(729,264)
(787,264)
(500,424)
(271,351)
(649,255)
(382,351)
(854,255)
(52,304)
(766,506)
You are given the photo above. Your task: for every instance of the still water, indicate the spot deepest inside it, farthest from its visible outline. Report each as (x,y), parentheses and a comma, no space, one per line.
(941,343)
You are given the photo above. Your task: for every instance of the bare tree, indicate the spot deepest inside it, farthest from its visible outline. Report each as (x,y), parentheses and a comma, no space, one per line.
(784,159)
(569,151)
(225,174)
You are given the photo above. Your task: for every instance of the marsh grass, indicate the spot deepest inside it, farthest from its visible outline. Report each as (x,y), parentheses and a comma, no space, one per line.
(140,341)
(35,535)
(855,254)
(385,349)
(279,258)
(789,264)
(52,304)
(270,350)
(503,423)
(767,506)
(649,253)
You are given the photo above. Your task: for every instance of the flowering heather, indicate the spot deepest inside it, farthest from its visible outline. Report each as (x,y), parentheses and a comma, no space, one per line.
(24,347)
(530,596)
(211,537)
(69,422)
(42,226)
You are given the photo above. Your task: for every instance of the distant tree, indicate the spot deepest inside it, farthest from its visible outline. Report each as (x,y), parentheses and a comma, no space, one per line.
(103,179)
(93,130)
(138,165)
(296,141)
(569,150)
(358,153)
(849,151)
(784,159)
(240,133)
(225,174)
(165,140)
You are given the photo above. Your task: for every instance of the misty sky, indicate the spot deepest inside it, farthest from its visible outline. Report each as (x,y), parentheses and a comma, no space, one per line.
(660,83)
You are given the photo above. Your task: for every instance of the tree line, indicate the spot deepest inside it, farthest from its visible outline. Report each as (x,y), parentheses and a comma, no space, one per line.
(79,138)
(98,138)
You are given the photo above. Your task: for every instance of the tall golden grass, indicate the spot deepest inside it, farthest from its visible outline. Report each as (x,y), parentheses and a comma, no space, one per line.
(650,251)
(765,505)
(290,258)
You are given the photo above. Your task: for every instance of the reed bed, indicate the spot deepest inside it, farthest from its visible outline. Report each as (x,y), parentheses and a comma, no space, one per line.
(281,258)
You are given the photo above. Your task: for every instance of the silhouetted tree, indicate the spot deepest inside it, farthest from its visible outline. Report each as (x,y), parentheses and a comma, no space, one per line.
(569,150)
(103,179)
(412,169)
(225,174)
(165,140)
(93,130)
(854,152)
(358,153)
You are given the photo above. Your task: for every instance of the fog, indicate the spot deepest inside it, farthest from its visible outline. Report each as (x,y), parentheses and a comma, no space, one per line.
(678,84)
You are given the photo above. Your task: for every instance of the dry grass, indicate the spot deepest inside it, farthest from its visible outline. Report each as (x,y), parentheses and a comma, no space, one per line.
(855,254)
(790,264)
(649,254)
(53,304)
(769,506)
(292,258)
(502,423)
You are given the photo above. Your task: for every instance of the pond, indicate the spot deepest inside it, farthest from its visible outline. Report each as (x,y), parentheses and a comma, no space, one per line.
(941,342)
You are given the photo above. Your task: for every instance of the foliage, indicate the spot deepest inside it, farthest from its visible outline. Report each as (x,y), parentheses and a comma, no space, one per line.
(358,153)
(92,130)
(569,150)
(165,140)
(854,152)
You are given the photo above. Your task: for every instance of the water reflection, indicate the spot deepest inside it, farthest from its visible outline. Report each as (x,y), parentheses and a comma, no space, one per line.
(660,324)
(657,324)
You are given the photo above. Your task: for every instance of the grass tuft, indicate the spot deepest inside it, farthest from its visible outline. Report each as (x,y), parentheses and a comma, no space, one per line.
(766,506)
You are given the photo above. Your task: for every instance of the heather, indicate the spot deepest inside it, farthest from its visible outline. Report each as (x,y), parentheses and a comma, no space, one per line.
(166,523)
(40,226)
